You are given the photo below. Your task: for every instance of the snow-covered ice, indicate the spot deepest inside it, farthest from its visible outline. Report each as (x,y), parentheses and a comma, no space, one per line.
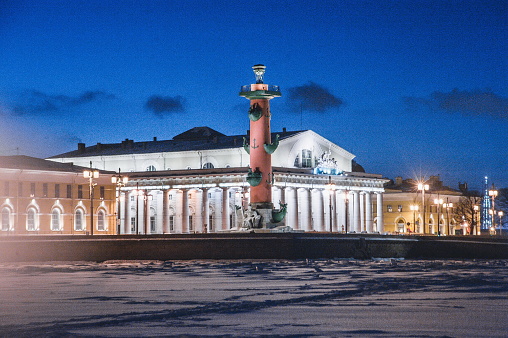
(344,298)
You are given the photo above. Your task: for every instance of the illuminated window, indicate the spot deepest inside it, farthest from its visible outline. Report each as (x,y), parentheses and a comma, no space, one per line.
(55,220)
(78,220)
(101,220)
(306,158)
(399,208)
(31,219)
(6,219)
(389,208)
(102,192)
(32,189)
(44,190)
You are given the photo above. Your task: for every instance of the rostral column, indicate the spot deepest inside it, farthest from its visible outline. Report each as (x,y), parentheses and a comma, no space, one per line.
(260,146)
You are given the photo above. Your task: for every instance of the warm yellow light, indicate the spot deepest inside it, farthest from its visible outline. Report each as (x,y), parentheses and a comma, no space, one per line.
(493,193)
(438,201)
(423,187)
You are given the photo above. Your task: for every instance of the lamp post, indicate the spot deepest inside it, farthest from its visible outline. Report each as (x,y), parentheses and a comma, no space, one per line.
(476,208)
(331,188)
(423,187)
(91,174)
(447,206)
(414,209)
(493,194)
(120,181)
(438,202)
(500,214)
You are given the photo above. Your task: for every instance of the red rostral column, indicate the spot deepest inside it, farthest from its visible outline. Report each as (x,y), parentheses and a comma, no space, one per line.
(260,145)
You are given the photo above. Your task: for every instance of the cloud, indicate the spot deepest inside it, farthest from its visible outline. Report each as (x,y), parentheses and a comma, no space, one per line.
(34,102)
(313,97)
(161,105)
(476,102)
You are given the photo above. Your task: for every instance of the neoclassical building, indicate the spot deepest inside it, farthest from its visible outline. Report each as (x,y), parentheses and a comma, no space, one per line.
(196,182)
(44,197)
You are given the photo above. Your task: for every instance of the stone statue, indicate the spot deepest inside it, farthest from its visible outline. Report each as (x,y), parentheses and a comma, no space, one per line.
(251,218)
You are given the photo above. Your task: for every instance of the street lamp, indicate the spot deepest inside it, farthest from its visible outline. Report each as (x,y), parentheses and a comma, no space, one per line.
(331,188)
(493,195)
(91,174)
(447,206)
(476,208)
(120,181)
(414,208)
(500,214)
(438,202)
(423,187)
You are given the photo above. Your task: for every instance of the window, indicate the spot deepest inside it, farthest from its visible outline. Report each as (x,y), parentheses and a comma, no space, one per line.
(190,223)
(132,198)
(151,168)
(78,220)
(32,189)
(171,223)
(69,191)
(20,189)
(102,192)
(152,224)
(6,219)
(44,190)
(101,220)
(55,220)
(133,224)
(80,191)
(210,222)
(170,197)
(208,165)
(31,219)
(57,190)
(389,208)
(231,221)
(297,161)
(306,158)
(399,207)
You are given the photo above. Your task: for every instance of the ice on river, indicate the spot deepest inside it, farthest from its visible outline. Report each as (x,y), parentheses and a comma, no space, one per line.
(342,298)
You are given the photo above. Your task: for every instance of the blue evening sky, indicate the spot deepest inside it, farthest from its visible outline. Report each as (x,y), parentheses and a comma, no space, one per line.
(412,88)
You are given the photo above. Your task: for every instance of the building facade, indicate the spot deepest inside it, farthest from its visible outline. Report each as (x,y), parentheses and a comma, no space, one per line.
(43,197)
(196,182)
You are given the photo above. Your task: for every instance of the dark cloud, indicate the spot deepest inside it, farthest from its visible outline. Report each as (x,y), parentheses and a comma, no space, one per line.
(476,102)
(313,97)
(35,102)
(161,105)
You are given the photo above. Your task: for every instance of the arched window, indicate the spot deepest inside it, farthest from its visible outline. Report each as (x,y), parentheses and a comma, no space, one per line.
(55,220)
(6,219)
(208,165)
(78,220)
(101,220)
(31,219)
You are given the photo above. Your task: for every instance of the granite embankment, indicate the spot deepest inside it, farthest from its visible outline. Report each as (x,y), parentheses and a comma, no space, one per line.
(15,248)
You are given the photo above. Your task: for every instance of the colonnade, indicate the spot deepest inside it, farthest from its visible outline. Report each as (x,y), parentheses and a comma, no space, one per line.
(154,210)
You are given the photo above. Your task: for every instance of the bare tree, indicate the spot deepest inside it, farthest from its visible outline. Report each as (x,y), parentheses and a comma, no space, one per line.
(465,209)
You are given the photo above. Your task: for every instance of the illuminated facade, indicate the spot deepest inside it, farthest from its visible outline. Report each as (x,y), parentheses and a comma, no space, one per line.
(196,182)
(408,211)
(43,197)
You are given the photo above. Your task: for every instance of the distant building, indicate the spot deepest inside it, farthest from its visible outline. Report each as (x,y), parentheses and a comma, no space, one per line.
(196,182)
(44,197)
(408,210)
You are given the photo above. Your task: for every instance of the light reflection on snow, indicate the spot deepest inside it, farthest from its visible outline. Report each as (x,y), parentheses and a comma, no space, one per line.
(382,298)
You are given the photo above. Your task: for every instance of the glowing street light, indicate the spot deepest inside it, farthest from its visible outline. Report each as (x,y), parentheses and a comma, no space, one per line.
(91,174)
(120,181)
(476,209)
(423,187)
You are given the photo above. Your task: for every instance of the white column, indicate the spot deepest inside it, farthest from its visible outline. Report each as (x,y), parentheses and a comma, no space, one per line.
(292,211)
(356,211)
(205,210)
(341,210)
(185,211)
(126,213)
(362,212)
(317,209)
(304,206)
(368,212)
(165,211)
(380,219)
(225,209)
(198,216)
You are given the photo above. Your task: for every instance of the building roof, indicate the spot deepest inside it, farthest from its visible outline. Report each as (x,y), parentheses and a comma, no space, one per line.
(34,163)
(198,138)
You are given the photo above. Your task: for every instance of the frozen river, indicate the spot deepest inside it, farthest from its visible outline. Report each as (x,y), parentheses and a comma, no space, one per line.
(341,298)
